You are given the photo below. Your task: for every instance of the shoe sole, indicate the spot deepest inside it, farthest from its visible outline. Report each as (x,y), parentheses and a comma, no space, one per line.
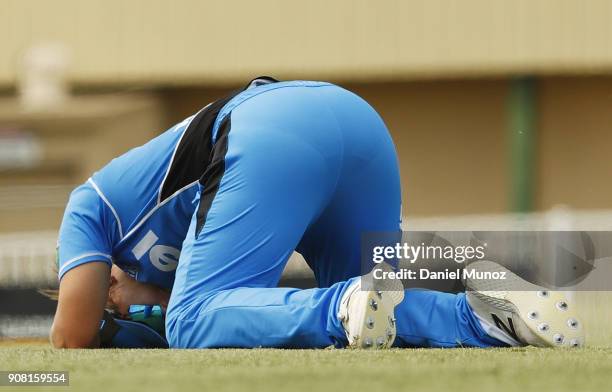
(550,316)
(375,318)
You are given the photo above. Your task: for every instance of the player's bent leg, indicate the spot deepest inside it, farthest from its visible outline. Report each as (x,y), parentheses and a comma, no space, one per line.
(341,315)
(259,317)
(523,313)
(280,164)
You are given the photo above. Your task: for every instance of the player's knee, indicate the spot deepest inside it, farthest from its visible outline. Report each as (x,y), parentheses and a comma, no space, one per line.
(172,335)
(204,323)
(175,312)
(184,326)
(173,325)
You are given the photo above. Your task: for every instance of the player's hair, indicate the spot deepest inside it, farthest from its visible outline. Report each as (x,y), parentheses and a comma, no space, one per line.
(52,294)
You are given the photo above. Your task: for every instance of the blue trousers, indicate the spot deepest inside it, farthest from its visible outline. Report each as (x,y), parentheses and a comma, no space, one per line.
(307,166)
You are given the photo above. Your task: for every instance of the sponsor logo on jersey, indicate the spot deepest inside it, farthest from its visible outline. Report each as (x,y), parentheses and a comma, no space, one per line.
(164,258)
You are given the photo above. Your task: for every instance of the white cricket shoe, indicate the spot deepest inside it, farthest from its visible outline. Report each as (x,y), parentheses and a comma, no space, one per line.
(521,313)
(368,316)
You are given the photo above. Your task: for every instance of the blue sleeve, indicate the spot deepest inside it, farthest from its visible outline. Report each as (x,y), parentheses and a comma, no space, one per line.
(87,230)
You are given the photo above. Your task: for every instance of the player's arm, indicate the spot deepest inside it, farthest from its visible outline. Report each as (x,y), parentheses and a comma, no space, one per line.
(83,293)
(84,258)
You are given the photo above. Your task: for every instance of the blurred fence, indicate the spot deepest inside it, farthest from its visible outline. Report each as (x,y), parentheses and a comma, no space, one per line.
(560,218)
(26,259)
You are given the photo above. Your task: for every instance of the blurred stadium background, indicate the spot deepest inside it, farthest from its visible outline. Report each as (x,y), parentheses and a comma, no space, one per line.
(500,110)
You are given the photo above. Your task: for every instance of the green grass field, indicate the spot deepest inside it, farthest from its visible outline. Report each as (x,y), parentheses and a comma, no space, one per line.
(453,370)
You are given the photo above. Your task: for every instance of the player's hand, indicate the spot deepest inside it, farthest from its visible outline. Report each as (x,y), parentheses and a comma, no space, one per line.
(125,291)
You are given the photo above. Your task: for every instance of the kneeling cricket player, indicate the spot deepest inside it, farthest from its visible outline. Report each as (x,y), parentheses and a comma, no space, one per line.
(203,218)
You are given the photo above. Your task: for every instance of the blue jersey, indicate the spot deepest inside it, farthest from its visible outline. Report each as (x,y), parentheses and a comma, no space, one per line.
(135,212)
(119,214)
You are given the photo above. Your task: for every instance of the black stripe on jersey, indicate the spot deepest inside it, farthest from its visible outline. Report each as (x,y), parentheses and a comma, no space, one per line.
(211,179)
(195,151)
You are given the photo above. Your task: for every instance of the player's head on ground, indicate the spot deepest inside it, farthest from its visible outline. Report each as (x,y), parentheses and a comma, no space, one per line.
(134,312)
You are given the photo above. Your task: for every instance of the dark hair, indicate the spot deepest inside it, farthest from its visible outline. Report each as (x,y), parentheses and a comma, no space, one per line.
(52,294)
